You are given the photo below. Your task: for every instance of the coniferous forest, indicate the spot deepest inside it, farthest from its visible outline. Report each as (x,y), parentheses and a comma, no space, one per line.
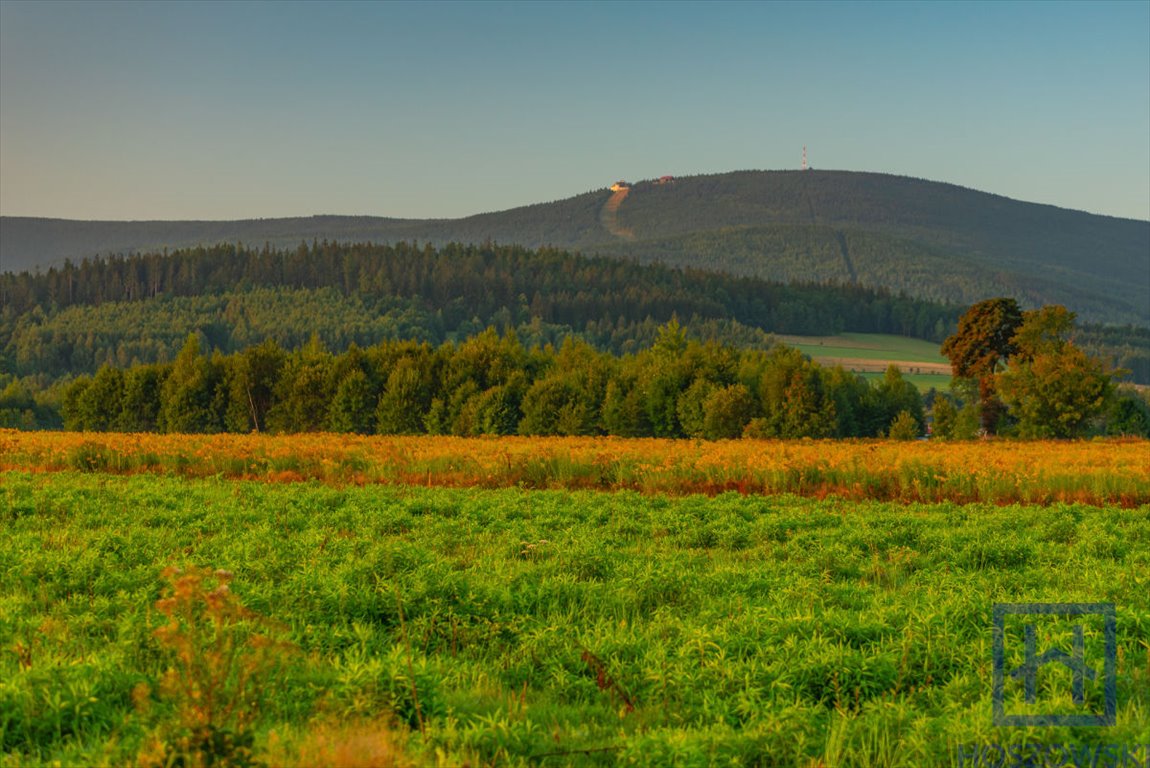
(475,339)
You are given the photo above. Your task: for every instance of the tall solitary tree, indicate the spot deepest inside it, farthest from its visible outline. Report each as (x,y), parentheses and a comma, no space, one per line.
(982,344)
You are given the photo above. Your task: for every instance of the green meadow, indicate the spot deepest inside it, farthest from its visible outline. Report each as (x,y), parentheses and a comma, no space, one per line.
(924,381)
(869,346)
(515,627)
(875,351)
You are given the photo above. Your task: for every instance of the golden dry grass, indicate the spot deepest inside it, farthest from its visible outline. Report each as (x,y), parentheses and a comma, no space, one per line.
(368,744)
(1100,471)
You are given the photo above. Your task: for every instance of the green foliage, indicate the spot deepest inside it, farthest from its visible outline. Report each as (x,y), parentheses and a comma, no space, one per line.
(353,407)
(72,404)
(219,668)
(140,407)
(1052,387)
(1056,394)
(363,294)
(732,629)
(904,427)
(18,406)
(691,407)
(543,402)
(304,391)
(490,384)
(727,411)
(187,396)
(623,412)
(794,399)
(945,416)
(494,411)
(251,377)
(102,401)
(1129,414)
(895,396)
(404,400)
(966,423)
(1044,331)
(237,299)
(983,342)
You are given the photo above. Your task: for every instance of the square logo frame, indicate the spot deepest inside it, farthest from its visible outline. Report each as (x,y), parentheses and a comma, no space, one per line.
(1075,661)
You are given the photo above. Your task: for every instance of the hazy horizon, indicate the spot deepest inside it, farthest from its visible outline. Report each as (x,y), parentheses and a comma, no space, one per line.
(336,214)
(183,111)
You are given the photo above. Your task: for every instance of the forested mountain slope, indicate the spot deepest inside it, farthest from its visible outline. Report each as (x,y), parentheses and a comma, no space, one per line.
(121,311)
(936,241)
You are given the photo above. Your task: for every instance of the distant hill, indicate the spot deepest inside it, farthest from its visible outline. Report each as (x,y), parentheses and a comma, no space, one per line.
(932,240)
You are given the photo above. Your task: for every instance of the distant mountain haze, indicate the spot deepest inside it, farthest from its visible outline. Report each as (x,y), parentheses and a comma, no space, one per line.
(928,239)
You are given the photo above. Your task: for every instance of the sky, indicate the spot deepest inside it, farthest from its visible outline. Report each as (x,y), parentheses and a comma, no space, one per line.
(228,110)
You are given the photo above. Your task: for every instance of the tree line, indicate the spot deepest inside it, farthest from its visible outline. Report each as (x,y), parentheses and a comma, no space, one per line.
(137,309)
(491,384)
(446,291)
(1023,374)
(464,281)
(1016,373)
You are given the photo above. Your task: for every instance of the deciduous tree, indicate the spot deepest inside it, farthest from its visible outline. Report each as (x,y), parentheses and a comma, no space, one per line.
(982,344)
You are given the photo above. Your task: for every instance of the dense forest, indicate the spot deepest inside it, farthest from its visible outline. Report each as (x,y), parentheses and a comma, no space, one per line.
(930,240)
(136,312)
(877,259)
(493,384)
(124,310)
(138,309)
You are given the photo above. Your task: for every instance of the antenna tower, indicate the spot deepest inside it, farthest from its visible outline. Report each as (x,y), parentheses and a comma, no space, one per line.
(804,157)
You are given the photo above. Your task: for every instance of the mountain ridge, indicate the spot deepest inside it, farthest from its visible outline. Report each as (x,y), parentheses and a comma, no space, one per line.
(930,239)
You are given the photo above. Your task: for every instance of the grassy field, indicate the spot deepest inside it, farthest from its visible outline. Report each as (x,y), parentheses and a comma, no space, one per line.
(516,627)
(924,381)
(878,346)
(870,354)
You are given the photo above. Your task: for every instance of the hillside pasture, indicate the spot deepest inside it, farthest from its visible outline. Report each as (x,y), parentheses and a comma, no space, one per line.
(872,353)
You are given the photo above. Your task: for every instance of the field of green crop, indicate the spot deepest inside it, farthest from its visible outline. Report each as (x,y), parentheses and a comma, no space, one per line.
(924,381)
(512,627)
(875,346)
(869,353)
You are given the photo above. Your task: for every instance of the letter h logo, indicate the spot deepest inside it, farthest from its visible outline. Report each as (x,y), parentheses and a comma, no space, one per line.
(1075,661)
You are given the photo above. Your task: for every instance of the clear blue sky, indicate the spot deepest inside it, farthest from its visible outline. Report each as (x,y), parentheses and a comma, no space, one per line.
(224,110)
